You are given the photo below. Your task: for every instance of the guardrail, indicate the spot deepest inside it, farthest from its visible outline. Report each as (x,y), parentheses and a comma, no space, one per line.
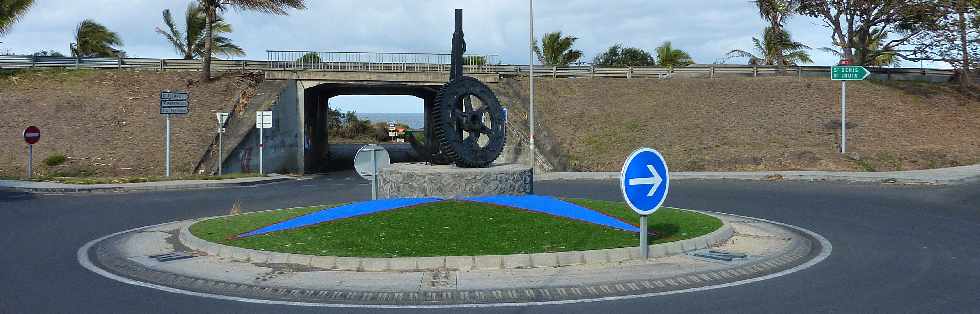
(407,62)
(712,71)
(43,62)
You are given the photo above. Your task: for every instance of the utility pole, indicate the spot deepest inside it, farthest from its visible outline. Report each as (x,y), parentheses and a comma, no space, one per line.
(531,65)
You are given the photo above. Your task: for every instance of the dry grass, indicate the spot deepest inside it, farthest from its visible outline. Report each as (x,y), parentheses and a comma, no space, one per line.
(744,124)
(107,122)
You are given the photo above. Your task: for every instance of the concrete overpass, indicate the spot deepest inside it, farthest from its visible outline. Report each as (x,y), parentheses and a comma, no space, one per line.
(299,141)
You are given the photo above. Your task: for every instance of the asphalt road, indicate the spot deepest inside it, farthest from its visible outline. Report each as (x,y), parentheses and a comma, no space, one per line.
(896,249)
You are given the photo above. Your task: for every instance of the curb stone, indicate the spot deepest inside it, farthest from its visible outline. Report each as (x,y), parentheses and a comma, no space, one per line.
(488,262)
(944,176)
(24,186)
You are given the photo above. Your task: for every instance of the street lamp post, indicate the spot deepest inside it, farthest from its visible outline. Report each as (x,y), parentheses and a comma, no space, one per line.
(531,76)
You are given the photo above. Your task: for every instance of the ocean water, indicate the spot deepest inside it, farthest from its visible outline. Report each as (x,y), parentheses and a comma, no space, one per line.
(413,120)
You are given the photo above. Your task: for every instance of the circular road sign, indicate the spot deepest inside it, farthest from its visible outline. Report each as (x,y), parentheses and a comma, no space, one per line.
(367,166)
(645,181)
(32,135)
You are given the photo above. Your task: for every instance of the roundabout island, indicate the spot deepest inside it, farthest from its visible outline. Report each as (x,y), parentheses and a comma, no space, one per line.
(484,251)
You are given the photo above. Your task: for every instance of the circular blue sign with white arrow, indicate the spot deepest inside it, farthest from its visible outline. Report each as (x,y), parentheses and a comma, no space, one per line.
(645,181)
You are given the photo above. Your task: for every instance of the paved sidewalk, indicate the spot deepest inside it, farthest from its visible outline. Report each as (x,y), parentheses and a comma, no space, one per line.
(54,187)
(935,176)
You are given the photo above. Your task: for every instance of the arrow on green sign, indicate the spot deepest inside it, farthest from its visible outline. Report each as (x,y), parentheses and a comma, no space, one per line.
(849,73)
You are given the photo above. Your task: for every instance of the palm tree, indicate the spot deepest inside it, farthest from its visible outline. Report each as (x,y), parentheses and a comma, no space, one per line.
(211,13)
(669,57)
(191,44)
(11,11)
(775,49)
(95,40)
(776,12)
(556,50)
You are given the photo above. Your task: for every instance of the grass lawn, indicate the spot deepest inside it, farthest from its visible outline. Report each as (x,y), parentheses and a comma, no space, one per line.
(452,228)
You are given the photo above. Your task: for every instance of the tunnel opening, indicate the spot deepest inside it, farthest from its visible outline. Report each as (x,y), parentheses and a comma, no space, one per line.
(335,126)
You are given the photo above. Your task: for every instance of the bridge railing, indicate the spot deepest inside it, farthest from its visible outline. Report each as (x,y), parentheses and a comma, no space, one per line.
(412,62)
(376,61)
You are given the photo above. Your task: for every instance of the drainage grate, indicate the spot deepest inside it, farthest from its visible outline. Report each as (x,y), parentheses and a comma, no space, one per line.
(720,255)
(170,257)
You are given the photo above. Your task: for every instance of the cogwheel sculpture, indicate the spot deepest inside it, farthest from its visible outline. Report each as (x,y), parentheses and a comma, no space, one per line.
(469,122)
(472,136)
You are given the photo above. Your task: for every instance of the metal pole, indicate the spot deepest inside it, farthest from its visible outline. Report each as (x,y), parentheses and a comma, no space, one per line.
(843,117)
(261,149)
(30,160)
(644,241)
(374,174)
(219,152)
(531,64)
(167,164)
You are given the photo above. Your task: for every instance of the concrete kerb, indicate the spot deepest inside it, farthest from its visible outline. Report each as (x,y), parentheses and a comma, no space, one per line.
(50,187)
(463,263)
(945,176)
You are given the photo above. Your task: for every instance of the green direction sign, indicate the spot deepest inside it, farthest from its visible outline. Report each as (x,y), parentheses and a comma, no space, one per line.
(849,73)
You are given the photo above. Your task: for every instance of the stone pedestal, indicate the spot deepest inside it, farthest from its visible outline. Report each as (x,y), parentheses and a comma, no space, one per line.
(421,180)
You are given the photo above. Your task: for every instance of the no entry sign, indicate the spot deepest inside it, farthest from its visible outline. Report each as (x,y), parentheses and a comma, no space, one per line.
(32,135)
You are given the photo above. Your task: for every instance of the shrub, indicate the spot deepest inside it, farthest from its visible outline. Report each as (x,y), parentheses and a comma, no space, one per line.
(55,160)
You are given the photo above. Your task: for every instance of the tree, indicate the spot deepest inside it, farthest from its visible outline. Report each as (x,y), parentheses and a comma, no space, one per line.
(855,22)
(888,57)
(309,58)
(556,50)
(93,40)
(12,11)
(776,12)
(669,57)
(48,53)
(190,45)
(617,56)
(212,8)
(475,60)
(953,37)
(775,48)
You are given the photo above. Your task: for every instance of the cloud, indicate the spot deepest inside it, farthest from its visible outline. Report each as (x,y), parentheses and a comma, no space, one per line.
(707,29)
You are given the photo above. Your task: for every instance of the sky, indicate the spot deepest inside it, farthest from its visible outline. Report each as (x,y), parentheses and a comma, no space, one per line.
(707,29)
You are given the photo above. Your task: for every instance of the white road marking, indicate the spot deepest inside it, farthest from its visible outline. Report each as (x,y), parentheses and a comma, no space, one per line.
(826,246)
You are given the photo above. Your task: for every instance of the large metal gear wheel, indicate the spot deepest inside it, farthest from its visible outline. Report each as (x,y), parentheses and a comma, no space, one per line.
(470,123)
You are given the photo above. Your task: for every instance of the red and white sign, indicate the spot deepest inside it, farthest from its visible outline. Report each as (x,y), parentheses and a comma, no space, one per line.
(32,135)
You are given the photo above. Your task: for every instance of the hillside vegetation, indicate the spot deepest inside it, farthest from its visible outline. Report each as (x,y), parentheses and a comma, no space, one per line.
(756,123)
(107,122)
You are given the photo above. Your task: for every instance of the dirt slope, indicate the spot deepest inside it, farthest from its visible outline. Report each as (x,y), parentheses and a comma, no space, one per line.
(756,124)
(107,122)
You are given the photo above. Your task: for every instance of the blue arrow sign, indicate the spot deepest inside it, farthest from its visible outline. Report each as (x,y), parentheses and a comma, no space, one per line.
(645,181)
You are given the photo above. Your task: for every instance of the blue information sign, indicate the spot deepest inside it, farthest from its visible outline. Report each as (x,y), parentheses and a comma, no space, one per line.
(645,181)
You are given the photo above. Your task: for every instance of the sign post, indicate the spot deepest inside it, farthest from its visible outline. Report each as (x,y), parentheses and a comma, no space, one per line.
(369,160)
(172,103)
(263,120)
(645,181)
(32,135)
(843,74)
(222,118)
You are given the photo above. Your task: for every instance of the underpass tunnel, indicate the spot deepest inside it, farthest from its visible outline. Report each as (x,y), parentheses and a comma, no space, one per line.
(323,155)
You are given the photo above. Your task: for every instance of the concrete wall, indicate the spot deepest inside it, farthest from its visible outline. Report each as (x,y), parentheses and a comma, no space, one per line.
(283,142)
